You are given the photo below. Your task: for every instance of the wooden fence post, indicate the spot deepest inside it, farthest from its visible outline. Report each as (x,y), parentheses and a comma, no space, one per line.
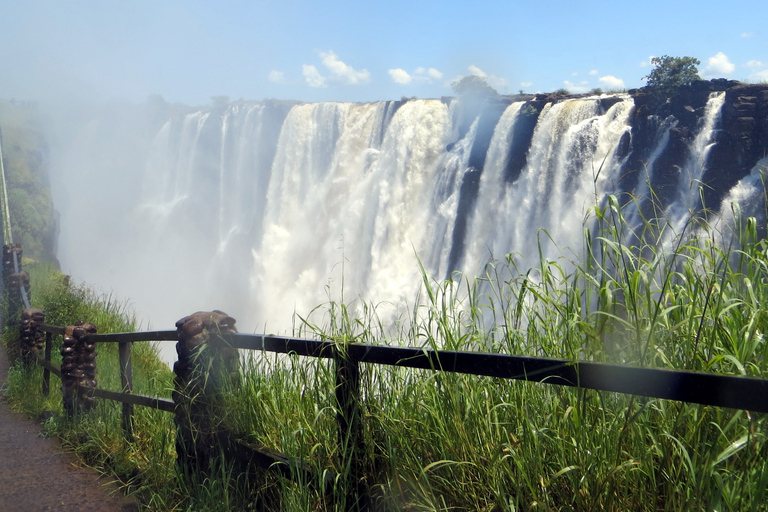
(78,367)
(31,339)
(8,267)
(205,368)
(8,263)
(126,381)
(46,371)
(13,280)
(348,417)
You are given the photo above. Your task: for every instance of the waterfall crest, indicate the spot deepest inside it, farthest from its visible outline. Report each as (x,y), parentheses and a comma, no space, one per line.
(266,208)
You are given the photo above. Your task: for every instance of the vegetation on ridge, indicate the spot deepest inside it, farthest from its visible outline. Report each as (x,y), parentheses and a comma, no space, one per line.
(25,161)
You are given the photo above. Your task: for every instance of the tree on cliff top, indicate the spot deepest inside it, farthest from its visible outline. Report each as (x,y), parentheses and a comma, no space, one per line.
(670,73)
(473,85)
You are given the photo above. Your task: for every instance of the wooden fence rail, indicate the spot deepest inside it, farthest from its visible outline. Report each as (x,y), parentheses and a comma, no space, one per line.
(248,454)
(686,386)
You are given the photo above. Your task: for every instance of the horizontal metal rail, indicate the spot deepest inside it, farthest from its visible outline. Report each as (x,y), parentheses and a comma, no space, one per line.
(163,404)
(53,329)
(685,386)
(287,467)
(132,337)
(122,337)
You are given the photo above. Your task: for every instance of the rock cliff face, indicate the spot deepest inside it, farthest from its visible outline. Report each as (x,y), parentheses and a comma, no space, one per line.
(668,144)
(741,135)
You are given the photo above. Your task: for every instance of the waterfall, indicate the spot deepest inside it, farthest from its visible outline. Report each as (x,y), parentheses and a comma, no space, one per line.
(348,207)
(571,166)
(687,201)
(746,199)
(263,209)
(640,206)
(493,194)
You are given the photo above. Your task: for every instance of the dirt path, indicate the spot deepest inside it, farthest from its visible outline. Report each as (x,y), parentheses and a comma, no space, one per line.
(36,475)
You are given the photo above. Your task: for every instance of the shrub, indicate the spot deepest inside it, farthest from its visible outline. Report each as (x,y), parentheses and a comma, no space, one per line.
(670,74)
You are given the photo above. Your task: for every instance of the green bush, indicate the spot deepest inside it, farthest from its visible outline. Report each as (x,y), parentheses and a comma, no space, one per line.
(671,73)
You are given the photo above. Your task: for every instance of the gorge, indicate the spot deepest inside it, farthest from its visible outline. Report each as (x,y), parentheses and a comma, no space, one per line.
(264,208)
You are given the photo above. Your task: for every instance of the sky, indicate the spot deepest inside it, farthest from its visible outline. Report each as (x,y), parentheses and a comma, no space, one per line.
(190,51)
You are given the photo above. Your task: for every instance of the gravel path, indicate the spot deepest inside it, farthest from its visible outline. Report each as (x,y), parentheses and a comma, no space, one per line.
(37,475)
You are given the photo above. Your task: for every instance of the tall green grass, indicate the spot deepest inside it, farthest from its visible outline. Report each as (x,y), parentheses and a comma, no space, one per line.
(439,441)
(143,464)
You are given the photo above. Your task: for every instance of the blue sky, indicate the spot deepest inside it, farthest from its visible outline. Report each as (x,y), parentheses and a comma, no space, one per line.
(189,51)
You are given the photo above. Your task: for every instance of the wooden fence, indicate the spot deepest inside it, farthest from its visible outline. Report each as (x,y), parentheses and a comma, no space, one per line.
(214,330)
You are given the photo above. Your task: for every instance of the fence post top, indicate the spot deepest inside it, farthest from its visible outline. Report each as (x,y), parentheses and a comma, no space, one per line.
(33,314)
(191,326)
(80,329)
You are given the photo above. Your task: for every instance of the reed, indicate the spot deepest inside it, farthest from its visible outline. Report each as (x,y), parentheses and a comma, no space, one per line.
(452,442)
(639,295)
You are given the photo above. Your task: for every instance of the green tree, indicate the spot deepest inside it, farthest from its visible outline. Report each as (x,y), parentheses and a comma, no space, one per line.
(670,73)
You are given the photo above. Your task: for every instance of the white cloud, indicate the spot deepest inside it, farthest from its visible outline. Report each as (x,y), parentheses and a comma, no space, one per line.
(718,65)
(574,87)
(339,72)
(526,84)
(277,77)
(342,72)
(400,76)
(575,73)
(747,34)
(313,76)
(593,72)
(420,75)
(500,84)
(426,75)
(759,76)
(477,71)
(432,72)
(649,62)
(611,82)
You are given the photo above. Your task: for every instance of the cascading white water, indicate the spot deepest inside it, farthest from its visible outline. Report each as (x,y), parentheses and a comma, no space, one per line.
(687,200)
(746,199)
(354,204)
(641,202)
(263,209)
(571,166)
(493,196)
